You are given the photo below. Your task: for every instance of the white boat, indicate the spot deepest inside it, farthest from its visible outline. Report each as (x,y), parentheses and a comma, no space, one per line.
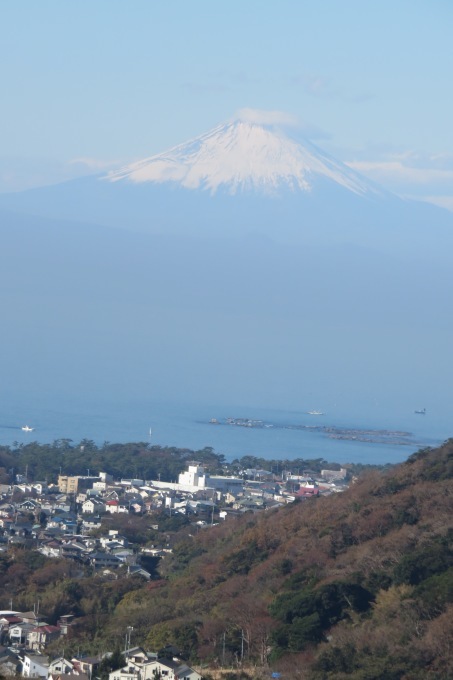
(315,413)
(25,428)
(420,411)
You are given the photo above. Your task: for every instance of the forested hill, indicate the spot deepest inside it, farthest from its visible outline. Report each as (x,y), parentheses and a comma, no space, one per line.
(356,585)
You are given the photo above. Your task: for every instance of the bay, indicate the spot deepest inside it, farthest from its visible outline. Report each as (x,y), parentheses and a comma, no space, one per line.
(336,436)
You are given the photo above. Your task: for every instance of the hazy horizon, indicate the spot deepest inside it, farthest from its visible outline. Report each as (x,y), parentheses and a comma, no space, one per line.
(124,291)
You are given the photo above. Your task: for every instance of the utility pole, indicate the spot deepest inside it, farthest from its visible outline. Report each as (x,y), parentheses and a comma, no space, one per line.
(127,642)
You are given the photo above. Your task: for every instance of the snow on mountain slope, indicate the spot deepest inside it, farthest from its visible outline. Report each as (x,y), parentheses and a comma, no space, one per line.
(246,179)
(242,156)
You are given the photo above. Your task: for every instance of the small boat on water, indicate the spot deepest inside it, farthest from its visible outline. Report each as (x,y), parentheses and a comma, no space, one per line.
(315,413)
(25,428)
(420,411)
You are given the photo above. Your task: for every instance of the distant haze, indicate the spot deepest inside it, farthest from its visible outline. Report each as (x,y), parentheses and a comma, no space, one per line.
(246,266)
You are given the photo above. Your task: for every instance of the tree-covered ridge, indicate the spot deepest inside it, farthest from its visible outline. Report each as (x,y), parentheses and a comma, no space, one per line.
(137,460)
(356,585)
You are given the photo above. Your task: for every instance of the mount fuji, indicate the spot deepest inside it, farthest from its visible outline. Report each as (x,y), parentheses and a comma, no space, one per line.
(242,179)
(244,264)
(242,156)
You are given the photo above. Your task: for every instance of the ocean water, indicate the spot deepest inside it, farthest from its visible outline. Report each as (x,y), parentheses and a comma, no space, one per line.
(292,433)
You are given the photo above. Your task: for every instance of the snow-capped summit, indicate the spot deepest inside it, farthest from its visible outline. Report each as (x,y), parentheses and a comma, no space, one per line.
(240,156)
(249,178)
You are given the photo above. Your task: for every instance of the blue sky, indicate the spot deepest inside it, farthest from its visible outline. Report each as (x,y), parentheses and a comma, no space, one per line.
(87,85)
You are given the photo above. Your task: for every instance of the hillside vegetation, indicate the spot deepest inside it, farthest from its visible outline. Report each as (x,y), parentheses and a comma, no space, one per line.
(355,585)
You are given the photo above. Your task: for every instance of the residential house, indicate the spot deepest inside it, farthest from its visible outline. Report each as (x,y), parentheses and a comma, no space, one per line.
(112,495)
(74,551)
(61,666)
(170,669)
(100,486)
(50,533)
(61,520)
(137,655)
(40,636)
(27,487)
(112,506)
(69,526)
(307,492)
(21,529)
(248,504)
(29,505)
(134,667)
(92,523)
(125,555)
(130,672)
(19,632)
(93,493)
(48,506)
(68,676)
(136,570)
(113,540)
(63,505)
(65,622)
(92,506)
(35,666)
(100,560)
(87,665)
(7,621)
(29,617)
(50,548)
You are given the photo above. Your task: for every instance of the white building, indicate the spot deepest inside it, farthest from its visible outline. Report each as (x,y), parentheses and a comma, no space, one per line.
(170,669)
(194,477)
(61,666)
(93,505)
(35,666)
(332,475)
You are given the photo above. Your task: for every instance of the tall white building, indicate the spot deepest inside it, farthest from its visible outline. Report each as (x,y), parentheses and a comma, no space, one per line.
(194,477)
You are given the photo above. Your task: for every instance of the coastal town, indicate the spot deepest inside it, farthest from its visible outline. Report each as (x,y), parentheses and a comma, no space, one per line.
(74,520)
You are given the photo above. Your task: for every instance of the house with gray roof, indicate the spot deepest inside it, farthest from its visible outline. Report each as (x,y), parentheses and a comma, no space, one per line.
(35,666)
